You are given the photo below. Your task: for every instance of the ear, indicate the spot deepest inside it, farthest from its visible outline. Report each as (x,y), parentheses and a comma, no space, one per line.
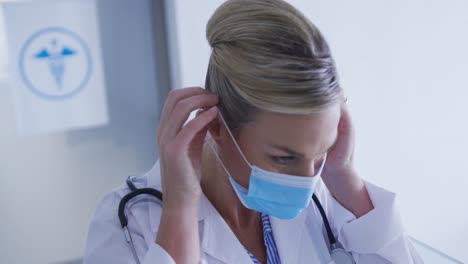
(214,127)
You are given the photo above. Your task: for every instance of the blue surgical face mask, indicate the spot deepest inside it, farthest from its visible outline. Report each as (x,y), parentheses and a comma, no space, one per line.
(280,195)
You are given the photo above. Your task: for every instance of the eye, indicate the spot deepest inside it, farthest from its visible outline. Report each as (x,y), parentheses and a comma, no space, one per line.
(283,160)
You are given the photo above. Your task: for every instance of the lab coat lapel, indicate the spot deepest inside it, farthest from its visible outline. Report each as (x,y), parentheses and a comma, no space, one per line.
(294,240)
(220,242)
(288,236)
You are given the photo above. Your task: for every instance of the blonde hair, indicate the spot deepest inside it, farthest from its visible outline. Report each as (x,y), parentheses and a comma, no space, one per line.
(267,56)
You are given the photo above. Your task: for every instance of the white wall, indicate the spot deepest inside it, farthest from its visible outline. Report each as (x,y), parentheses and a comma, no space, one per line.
(50,184)
(402,64)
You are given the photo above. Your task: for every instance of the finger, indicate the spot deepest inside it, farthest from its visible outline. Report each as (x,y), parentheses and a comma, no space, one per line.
(188,133)
(343,148)
(345,123)
(170,103)
(174,97)
(182,111)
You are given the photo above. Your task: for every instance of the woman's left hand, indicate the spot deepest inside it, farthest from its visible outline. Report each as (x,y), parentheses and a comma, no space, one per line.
(339,174)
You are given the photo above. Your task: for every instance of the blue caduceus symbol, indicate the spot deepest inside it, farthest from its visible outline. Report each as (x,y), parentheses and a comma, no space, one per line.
(56,59)
(66,57)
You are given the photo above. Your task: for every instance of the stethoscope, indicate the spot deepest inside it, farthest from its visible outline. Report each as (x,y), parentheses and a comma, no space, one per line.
(338,253)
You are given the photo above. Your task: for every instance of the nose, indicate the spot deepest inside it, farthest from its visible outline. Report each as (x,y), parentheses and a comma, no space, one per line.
(308,169)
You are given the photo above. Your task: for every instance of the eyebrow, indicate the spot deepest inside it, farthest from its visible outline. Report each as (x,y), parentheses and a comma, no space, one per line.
(288,150)
(294,153)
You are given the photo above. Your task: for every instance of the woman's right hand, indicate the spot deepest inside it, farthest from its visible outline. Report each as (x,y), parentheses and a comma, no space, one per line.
(180,148)
(180,154)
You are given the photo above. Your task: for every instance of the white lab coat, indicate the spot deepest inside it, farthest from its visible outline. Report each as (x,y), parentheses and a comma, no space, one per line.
(377,237)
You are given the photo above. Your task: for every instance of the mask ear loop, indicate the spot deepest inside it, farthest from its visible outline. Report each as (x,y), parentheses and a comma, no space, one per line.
(233,182)
(234,140)
(323,165)
(217,156)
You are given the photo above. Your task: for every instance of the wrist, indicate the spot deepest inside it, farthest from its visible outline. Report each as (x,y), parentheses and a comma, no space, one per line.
(351,193)
(178,232)
(172,203)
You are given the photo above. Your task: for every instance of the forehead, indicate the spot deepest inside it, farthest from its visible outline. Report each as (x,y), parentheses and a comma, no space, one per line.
(309,134)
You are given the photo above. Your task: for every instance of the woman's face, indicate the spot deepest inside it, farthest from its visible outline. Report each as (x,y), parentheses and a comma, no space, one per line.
(285,143)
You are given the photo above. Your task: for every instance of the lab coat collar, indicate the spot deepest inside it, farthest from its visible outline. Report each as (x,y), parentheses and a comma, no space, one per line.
(288,236)
(220,242)
(291,236)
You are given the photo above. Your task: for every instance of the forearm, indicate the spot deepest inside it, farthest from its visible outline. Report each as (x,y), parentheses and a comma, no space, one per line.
(178,233)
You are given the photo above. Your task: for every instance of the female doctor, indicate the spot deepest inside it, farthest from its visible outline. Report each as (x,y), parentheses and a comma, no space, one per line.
(272,130)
